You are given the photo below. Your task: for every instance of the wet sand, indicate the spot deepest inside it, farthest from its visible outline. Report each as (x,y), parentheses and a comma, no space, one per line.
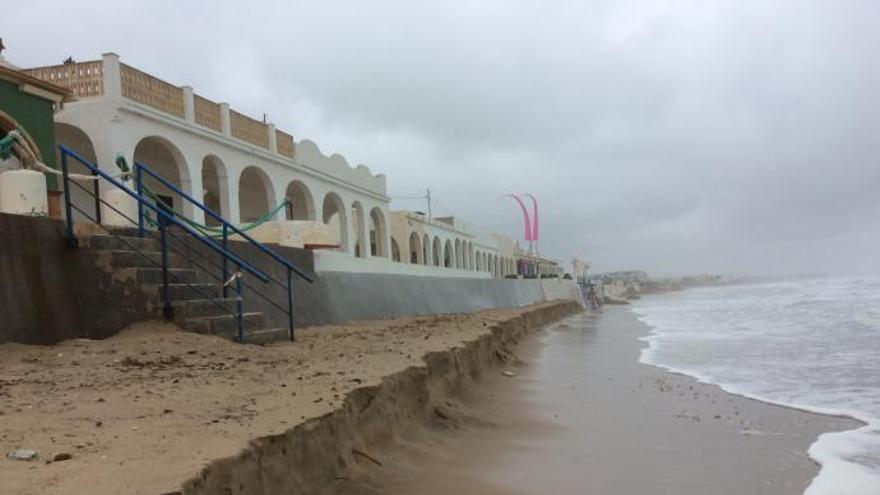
(582,415)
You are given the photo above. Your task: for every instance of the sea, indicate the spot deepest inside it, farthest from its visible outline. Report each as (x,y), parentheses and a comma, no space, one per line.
(811,344)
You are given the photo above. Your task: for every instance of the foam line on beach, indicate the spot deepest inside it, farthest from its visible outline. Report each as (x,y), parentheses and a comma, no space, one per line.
(830,451)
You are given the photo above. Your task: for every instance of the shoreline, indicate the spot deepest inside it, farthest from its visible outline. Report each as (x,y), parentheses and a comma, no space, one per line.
(156,410)
(824,451)
(627,428)
(854,416)
(427,410)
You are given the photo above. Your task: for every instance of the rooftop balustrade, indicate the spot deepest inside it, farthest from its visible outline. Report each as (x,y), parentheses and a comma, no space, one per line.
(108,77)
(84,79)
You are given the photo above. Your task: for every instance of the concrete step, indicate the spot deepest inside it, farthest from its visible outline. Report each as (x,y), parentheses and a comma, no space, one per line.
(223,325)
(131,231)
(261,336)
(109,242)
(197,308)
(145,259)
(153,276)
(185,292)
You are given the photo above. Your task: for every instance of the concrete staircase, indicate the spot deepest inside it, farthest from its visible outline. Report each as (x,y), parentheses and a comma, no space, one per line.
(197,298)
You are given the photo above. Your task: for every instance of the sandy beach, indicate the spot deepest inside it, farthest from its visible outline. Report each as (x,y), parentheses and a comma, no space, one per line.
(355,409)
(145,411)
(582,415)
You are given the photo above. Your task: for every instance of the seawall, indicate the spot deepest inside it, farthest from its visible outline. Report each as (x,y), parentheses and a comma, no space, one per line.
(338,297)
(51,291)
(311,457)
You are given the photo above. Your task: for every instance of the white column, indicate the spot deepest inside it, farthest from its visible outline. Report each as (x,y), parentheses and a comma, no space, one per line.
(197,188)
(108,144)
(455,255)
(386,235)
(273,138)
(365,228)
(232,186)
(112,76)
(225,122)
(279,191)
(189,104)
(111,140)
(350,228)
(429,251)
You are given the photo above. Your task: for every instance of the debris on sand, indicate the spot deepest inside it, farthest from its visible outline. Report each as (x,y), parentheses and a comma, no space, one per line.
(23,455)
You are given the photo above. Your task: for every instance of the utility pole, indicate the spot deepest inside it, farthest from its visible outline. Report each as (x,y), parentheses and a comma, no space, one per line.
(428,195)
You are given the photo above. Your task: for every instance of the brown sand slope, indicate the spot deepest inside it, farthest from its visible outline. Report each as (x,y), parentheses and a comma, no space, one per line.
(145,410)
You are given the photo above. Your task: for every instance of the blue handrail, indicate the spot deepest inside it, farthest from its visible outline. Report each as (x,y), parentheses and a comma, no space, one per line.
(165,215)
(223,221)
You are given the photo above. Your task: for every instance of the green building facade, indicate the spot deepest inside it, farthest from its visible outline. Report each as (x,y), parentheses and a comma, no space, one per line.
(28,104)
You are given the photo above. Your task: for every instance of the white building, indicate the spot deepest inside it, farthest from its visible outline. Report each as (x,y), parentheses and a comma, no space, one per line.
(239,166)
(243,168)
(449,242)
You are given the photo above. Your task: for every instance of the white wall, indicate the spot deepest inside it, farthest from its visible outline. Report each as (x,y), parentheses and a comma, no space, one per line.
(117,126)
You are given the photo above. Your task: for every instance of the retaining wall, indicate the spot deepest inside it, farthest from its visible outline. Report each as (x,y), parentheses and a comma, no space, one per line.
(337,297)
(50,291)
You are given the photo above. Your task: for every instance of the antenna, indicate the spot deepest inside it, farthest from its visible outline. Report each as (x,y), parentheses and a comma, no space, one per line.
(428,195)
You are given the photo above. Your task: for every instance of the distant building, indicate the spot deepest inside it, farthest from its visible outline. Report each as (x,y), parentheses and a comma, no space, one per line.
(449,242)
(534,265)
(634,276)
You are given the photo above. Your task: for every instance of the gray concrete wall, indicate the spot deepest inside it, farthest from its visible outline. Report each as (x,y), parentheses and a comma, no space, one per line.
(338,297)
(50,292)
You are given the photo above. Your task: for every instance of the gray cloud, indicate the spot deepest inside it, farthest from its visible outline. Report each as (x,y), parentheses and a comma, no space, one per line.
(670,136)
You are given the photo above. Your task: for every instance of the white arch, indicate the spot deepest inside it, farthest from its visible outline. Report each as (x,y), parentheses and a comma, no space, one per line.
(333,214)
(378,233)
(414,254)
(256,195)
(79,142)
(165,159)
(301,204)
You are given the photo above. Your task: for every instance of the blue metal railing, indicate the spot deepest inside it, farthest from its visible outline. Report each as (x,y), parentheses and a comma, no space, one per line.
(227,229)
(165,219)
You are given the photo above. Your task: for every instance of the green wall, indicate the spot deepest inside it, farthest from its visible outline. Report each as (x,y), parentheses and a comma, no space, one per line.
(34,114)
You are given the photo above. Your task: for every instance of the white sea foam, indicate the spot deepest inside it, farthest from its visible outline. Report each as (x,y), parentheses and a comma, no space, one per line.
(808,344)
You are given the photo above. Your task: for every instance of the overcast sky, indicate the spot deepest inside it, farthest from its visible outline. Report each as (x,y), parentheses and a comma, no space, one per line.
(737,136)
